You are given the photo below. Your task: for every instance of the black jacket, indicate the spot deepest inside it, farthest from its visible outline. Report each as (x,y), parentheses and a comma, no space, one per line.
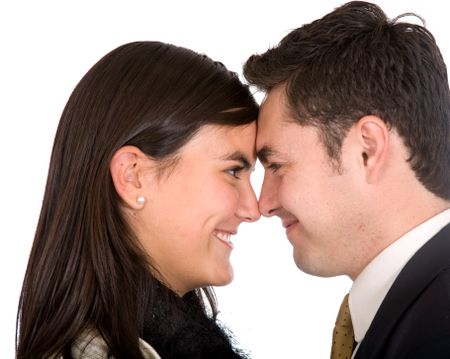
(413,321)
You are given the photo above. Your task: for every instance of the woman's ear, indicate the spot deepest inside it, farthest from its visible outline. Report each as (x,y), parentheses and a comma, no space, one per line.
(373,136)
(127,167)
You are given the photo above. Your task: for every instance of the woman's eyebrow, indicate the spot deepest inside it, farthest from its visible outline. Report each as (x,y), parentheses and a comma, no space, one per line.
(238,156)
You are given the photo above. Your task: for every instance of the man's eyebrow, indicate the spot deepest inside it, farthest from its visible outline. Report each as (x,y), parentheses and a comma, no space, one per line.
(264,153)
(240,157)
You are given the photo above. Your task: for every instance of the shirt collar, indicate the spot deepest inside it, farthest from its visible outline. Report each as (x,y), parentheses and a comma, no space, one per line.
(373,283)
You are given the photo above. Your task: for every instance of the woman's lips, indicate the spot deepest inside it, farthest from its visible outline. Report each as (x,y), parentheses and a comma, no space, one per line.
(224,237)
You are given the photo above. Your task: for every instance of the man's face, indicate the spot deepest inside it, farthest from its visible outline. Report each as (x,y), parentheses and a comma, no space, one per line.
(318,205)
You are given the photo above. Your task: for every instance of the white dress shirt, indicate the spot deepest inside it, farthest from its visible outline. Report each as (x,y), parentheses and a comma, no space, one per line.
(373,283)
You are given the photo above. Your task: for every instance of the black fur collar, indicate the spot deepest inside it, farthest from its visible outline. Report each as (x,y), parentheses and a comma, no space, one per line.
(179,328)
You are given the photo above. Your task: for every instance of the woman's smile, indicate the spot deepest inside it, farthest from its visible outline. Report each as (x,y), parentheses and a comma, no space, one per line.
(225,237)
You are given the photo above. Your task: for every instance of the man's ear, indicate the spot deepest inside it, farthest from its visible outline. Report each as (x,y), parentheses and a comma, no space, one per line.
(373,135)
(127,167)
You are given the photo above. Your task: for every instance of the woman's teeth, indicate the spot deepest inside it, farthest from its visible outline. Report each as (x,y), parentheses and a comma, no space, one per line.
(224,236)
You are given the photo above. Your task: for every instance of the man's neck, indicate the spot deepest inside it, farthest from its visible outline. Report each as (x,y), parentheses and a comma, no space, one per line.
(395,223)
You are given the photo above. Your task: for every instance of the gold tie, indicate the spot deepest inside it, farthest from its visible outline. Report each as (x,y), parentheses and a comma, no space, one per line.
(343,337)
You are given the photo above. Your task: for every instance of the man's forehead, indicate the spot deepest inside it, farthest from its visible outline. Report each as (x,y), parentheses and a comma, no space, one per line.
(274,109)
(268,138)
(273,122)
(276,96)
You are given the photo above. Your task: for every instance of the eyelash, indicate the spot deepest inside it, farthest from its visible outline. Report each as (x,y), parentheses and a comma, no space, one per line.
(274,167)
(235,171)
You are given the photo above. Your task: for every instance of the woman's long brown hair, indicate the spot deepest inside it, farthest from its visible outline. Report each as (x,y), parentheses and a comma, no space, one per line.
(86,268)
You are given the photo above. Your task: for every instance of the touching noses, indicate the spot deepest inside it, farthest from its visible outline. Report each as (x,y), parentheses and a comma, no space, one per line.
(268,199)
(248,209)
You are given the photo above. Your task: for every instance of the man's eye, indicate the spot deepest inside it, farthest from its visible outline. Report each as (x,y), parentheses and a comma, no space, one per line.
(235,171)
(274,167)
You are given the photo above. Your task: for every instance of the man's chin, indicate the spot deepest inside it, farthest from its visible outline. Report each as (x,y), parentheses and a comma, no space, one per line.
(311,267)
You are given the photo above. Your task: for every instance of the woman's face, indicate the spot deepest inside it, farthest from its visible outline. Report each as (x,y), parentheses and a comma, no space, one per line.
(193,210)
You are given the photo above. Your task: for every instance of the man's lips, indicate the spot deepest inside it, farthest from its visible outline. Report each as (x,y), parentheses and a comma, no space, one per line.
(289,224)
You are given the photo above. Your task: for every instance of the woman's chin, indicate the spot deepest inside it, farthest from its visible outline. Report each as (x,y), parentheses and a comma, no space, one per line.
(226,279)
(223,277)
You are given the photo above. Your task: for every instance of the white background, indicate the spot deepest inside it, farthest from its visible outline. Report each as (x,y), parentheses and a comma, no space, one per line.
(274,310)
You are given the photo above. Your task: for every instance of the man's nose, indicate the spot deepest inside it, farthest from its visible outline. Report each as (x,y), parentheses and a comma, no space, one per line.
(268,199)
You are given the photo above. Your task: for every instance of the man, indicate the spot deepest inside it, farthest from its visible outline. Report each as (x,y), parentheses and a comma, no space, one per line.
(354,135)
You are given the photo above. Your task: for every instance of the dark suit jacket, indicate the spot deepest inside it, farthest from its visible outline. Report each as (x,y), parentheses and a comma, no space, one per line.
(413,321)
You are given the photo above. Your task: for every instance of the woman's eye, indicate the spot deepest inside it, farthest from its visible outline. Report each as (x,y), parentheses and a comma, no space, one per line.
(235,171)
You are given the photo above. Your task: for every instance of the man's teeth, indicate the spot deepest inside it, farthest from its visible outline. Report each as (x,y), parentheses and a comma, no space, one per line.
(226,237)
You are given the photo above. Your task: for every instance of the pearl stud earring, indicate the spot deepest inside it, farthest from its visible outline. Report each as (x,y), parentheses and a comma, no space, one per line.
(140,200)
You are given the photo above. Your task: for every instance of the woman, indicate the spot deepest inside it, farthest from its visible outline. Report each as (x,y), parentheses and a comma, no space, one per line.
(149,178)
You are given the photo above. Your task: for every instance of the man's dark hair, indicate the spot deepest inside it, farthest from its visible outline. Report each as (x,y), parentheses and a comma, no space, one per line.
(354,62)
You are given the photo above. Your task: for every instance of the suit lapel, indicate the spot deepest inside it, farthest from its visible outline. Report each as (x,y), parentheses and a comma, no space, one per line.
(421,269)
